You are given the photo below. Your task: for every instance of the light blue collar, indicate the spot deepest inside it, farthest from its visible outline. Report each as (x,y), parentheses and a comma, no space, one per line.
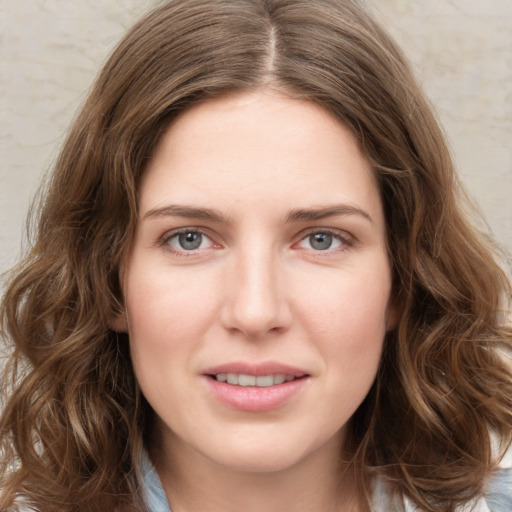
(498,499)
(153,492)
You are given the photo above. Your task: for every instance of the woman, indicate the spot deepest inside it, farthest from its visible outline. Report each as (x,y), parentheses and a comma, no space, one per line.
(253,284)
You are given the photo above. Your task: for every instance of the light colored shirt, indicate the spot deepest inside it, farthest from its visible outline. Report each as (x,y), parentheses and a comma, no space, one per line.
(497,499)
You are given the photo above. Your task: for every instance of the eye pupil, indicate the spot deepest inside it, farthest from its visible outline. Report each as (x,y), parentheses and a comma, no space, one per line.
(190,241)
(321,241)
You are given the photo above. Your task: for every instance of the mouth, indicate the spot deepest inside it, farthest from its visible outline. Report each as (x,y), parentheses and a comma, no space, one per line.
(259,381)
(256,387)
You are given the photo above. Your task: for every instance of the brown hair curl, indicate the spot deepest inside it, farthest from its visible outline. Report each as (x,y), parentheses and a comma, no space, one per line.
(74,422)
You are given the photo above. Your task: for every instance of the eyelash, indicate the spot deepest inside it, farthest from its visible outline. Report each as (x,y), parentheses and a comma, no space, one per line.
(165,240)
(346,241)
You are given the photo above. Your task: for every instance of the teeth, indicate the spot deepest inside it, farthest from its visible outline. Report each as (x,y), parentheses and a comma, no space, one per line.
(279,379)
(246,380)
(262,381)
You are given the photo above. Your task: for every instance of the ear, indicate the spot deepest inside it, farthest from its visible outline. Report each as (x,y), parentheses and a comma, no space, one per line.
(119,322)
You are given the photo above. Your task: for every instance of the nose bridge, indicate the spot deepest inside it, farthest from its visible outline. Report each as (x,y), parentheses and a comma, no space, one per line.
(256,304)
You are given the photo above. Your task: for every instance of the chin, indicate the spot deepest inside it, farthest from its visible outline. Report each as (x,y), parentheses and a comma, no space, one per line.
(268,455)
(257,461)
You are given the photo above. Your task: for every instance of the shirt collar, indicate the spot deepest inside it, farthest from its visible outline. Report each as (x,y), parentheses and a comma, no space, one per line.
(499,497)
(153,492)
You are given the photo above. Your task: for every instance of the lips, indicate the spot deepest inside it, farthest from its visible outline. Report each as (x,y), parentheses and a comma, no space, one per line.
(255,388)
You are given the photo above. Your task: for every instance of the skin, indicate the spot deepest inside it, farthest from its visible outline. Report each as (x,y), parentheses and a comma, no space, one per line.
(257,289)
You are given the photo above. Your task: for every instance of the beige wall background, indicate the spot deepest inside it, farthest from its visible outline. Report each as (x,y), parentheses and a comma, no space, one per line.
(51,50)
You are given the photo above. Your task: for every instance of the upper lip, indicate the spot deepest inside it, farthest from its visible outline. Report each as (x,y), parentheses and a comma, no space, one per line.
(256,369)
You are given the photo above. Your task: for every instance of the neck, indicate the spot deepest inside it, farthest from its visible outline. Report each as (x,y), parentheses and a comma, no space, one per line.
(319,482)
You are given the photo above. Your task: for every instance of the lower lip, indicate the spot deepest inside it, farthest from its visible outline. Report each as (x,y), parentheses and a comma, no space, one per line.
(253,398)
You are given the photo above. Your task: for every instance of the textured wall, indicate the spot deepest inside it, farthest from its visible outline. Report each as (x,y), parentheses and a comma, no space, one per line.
(51,50)
(462,52)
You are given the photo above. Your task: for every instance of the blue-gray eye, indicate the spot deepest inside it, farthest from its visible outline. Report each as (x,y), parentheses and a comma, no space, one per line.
(190,241)
(187,241)
(320,241)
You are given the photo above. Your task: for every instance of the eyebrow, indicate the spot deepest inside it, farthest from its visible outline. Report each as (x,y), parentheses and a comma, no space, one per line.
(306,214)
(189,212)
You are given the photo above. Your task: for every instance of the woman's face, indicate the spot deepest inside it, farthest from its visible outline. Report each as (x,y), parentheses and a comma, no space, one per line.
(260,259)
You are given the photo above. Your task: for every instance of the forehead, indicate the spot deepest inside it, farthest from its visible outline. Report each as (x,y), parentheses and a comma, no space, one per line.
(258,147)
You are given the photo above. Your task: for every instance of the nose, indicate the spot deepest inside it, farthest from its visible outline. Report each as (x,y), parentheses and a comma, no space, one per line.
(255,302)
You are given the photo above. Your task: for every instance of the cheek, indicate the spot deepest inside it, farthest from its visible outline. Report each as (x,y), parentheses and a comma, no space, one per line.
(352,350)
(166,306)
(165,322)
(168,314)
(348,305)
(348,317)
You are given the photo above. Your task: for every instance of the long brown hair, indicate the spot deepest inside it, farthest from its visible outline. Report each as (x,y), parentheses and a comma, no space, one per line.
(74,422)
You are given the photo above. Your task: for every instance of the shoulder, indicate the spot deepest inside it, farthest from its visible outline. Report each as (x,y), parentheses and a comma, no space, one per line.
(499,488)
(499,491)
(498,497)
